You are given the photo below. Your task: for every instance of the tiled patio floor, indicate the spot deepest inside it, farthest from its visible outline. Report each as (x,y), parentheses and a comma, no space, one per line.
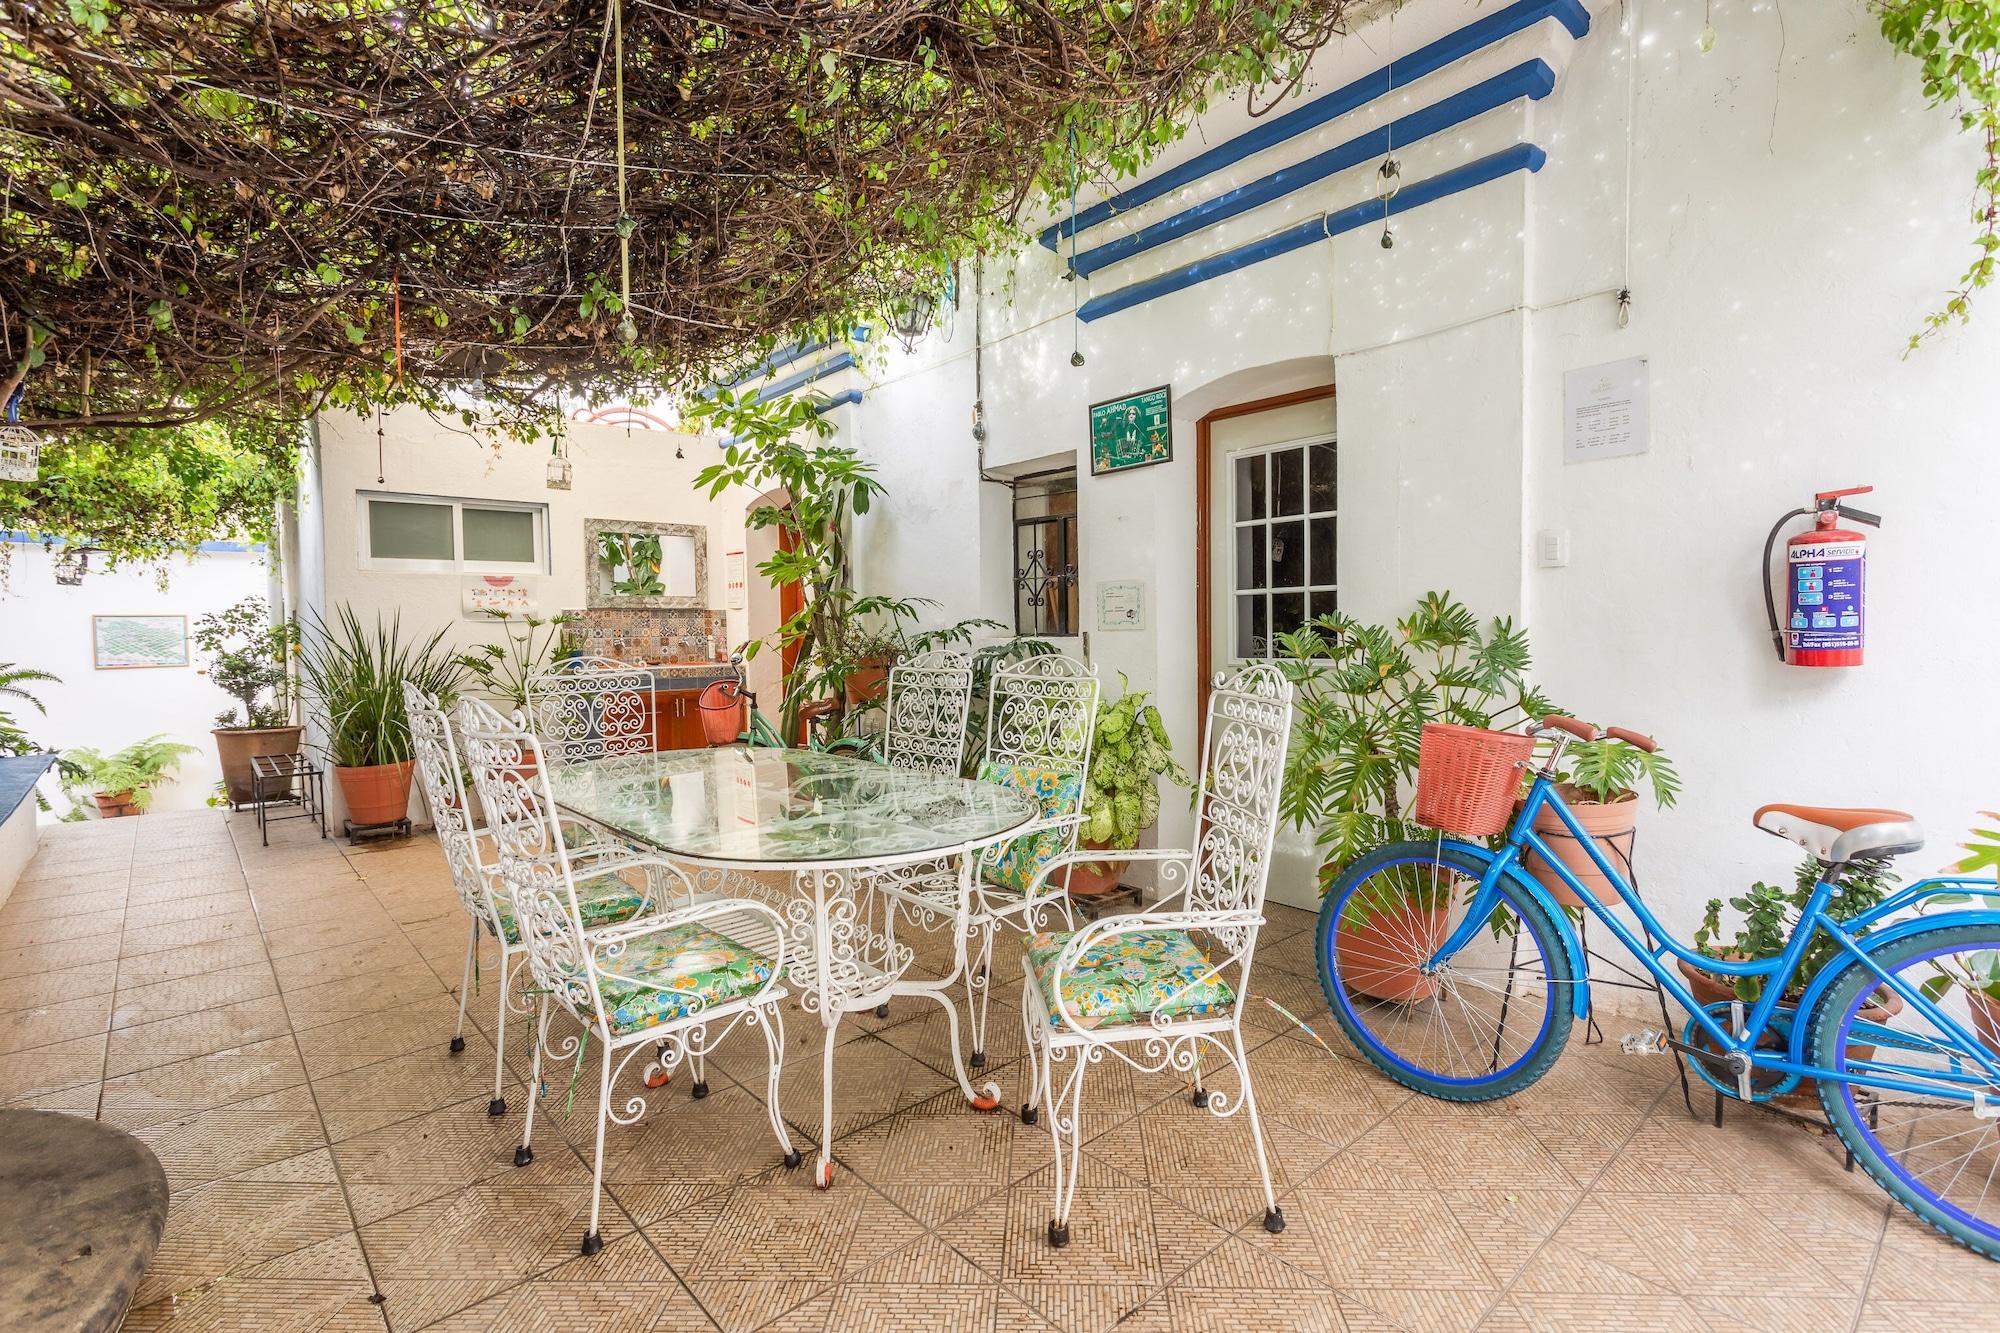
(274,1023)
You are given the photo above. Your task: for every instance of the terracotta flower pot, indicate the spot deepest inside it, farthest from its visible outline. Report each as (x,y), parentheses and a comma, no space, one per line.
(237,746)
(1611,824)
(1380,953)
(1094,879)
(1710,988)
(869,682)
(376,794)
(116,804)
(1985,1018)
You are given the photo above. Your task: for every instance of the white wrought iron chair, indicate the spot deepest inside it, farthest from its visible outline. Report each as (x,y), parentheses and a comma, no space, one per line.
(1040,722)
(1157,988)
(593,708)
(673,981)
(605,898)
(929,698)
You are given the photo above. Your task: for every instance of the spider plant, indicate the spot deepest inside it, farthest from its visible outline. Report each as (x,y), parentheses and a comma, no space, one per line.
(353,676)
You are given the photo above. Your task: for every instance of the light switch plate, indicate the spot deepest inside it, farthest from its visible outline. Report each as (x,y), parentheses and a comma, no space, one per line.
(1552,548)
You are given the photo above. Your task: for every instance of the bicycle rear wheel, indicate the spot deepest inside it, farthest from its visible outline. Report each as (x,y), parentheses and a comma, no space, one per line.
(1936,1154)
(1481,1024)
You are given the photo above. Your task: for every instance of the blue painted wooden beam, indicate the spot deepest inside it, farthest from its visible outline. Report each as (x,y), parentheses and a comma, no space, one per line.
(1531,79)
(841,399)
(804,377)
(1520,157)
(1446,50)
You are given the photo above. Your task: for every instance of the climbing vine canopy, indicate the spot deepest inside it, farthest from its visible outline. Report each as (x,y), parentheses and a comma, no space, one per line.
(249,207)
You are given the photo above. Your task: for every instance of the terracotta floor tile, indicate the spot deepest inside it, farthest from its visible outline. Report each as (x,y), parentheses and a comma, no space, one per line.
(372,1096)
(29,959)
(176,935)
(626,1289)
(25,1074)
(367,1038)
(55,1021)
(24,908)
(187,995)
(228,1140)
(166,911)
(202,1032)
(349,997)
(169,1092)
(193,961)
(342,961)
(38,988)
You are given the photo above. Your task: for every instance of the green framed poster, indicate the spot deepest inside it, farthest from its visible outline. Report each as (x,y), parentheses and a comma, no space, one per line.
(1134,431)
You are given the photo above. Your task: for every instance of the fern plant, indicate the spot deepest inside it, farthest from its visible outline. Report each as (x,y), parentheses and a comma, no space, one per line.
(1608,770)
(1363,694)
(136,769)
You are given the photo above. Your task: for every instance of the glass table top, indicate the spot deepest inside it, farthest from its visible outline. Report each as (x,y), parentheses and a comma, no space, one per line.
(785,807)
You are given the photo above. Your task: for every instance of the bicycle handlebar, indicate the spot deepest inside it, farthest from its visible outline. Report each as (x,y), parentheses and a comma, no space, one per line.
(1586,731)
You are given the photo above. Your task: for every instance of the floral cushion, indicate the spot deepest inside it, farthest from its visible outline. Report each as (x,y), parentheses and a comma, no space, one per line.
(603,901)
(1013,865)
(1128,977)
(698,966)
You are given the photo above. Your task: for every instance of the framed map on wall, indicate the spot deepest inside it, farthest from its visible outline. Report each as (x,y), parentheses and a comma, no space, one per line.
(119,643)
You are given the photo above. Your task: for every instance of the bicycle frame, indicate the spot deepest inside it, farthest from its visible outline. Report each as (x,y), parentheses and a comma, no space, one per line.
(1776,971)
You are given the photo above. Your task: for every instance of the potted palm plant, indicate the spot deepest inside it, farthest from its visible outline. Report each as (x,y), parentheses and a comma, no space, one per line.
(1121,796)
(248,660)
(1600,786)
(353,681)
(121,783)
(1363,694)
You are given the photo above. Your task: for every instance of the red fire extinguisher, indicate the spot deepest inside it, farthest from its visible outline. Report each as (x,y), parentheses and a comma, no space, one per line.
(1825,622)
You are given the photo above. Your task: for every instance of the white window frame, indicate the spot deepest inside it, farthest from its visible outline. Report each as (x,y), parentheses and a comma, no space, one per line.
(458,564)
(1304,518)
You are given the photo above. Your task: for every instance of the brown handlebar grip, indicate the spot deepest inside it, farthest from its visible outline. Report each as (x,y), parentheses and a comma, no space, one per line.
(1575,726)
(819,708)
(1632,738)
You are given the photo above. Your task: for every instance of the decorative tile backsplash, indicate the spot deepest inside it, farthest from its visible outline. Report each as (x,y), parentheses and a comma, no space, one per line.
(650,635)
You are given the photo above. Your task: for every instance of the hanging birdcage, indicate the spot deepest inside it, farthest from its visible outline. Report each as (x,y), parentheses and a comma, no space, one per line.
(72,565)
(559,472)
(20,453)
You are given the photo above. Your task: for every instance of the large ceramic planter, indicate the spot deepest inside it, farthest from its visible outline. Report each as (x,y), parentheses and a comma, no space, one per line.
(1610,824)
(1380,954)
(1710,988)
(869,681)
(237,746)
(377,794)
(115,804)
(1094,879)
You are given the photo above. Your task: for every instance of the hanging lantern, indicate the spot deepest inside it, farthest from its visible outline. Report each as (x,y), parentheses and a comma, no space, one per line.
(559,468)
(20,453)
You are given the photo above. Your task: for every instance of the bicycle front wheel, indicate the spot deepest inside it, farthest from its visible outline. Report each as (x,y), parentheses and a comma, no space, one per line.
(1934,1145)
(1483,1023)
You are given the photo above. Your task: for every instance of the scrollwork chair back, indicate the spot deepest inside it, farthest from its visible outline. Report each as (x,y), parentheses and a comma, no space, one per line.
(929,698)
(593,708)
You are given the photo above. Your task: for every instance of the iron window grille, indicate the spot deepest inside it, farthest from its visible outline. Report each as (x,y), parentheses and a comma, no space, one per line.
(1045,555)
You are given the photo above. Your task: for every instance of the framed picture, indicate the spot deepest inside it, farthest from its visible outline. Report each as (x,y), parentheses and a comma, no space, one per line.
(120,643)
(1134,431)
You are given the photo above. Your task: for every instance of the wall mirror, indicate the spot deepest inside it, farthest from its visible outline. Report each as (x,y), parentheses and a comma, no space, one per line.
(637,564)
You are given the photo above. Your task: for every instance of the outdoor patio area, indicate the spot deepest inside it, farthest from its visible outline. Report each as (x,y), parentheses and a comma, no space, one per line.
(273,1023)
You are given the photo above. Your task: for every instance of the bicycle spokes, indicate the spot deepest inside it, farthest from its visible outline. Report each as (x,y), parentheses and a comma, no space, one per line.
(1471,1018)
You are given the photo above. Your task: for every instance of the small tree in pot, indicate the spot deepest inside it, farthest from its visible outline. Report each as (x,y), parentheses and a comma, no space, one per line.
(1121,794)
(1363,694)
(248,659)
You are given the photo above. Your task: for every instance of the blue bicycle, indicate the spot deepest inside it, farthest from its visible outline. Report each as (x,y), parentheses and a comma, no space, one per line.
(1457,974)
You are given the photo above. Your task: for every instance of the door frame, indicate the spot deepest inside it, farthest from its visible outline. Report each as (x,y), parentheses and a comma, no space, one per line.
(1203,536)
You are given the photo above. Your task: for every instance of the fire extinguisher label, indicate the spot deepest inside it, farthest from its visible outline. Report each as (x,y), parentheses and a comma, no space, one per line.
(1825,596)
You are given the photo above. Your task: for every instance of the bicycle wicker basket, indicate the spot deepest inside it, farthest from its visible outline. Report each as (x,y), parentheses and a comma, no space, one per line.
(1467,778)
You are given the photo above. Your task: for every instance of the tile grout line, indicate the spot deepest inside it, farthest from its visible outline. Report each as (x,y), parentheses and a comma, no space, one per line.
(1508,1286)
(376,1299)
(104,1065)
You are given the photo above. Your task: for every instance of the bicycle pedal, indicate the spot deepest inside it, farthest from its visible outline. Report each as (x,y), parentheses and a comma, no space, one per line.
(1651,1041)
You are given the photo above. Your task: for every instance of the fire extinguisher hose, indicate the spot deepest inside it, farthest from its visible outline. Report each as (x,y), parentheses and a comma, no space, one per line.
(1770,602)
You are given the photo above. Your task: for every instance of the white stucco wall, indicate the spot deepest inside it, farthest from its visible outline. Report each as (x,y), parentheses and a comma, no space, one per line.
(47,626)
(617,475)
(1794,211)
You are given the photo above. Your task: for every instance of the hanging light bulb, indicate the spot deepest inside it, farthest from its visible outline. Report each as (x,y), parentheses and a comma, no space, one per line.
(1389,177)
(395,20)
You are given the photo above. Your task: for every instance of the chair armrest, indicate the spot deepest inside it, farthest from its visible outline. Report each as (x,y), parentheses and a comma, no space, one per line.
(1085,856)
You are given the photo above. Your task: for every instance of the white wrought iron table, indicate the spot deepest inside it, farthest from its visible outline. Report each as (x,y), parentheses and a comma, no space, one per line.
(839,827)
